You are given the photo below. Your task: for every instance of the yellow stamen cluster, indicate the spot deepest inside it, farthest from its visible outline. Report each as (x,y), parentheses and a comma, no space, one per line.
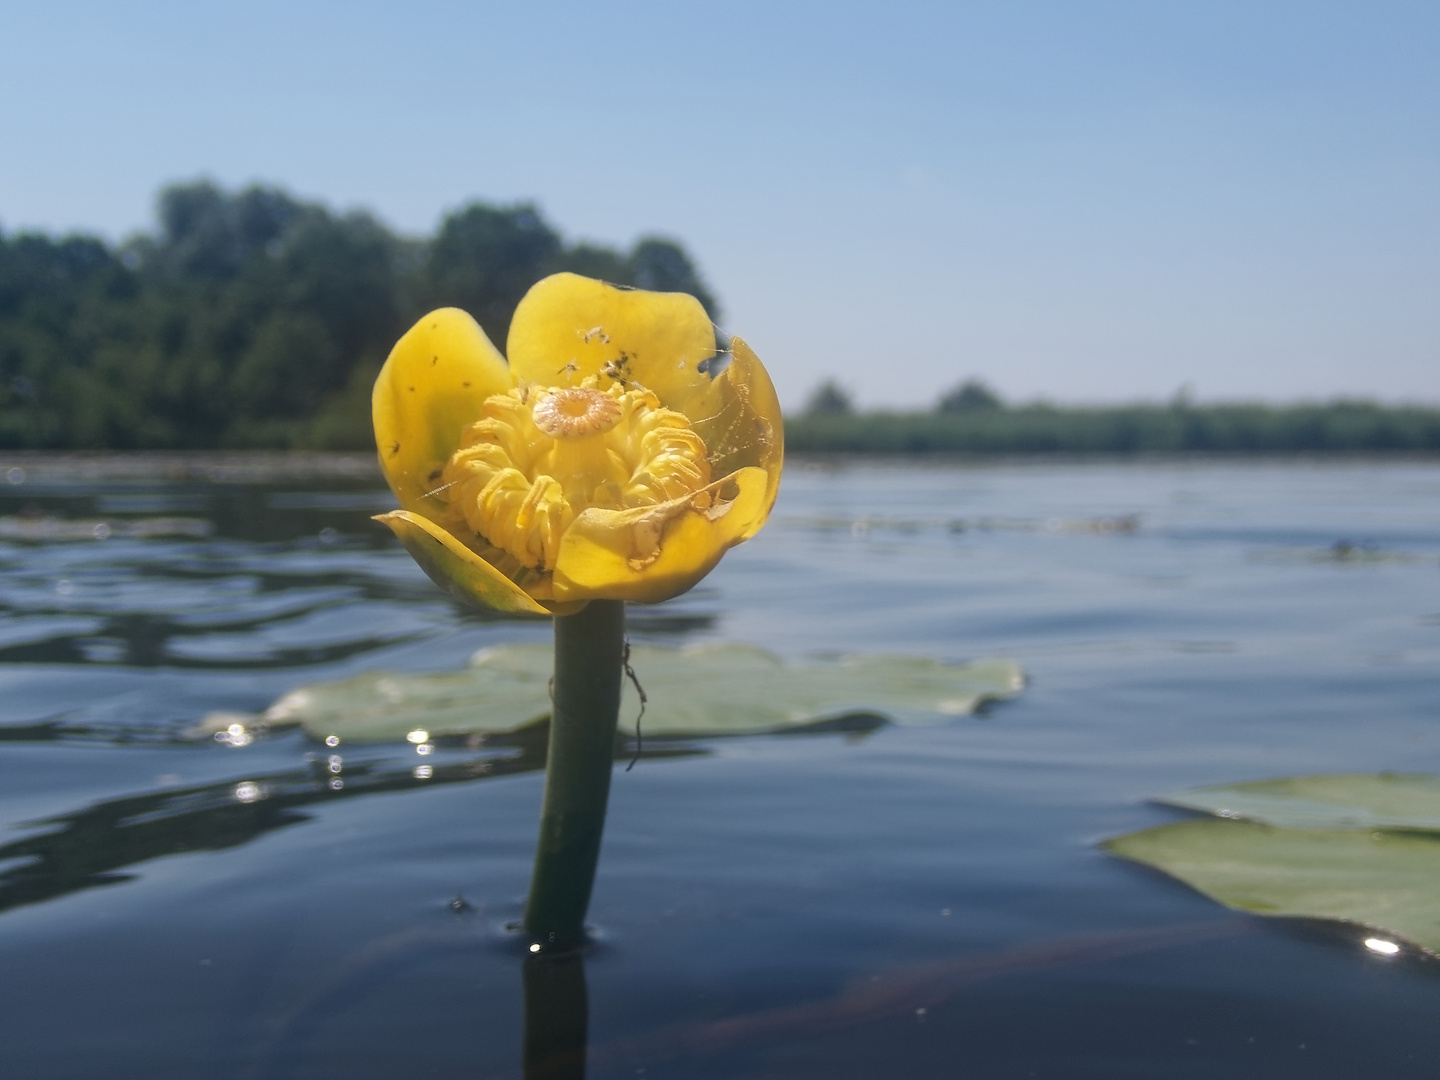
(537,458)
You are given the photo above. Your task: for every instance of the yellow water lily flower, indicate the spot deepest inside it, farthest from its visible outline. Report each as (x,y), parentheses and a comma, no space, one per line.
(619,453)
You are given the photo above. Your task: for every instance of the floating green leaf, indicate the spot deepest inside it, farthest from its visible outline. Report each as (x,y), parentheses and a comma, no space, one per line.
(1362,849)
(1360,801)
(708,690)
(1388,881)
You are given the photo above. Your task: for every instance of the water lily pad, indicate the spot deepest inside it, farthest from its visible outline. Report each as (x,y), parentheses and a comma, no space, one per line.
(1355,801)
(1360,848)
(709,690)
(1385,880)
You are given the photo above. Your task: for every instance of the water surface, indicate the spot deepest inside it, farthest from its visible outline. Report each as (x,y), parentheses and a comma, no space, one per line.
(917,901)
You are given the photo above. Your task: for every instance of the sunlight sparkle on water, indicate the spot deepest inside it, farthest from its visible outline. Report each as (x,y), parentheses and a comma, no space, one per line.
(234,735)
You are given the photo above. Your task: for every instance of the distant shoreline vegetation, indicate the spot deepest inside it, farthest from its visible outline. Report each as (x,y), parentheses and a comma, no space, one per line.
(973,420)
(253,320)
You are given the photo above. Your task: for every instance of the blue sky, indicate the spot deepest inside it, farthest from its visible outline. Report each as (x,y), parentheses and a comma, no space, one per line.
(1087,201)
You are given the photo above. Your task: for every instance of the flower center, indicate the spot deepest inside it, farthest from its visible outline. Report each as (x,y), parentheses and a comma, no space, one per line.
(574,412)
(538,458)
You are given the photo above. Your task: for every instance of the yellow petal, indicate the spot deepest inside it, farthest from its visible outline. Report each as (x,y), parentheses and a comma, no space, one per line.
(652,553)
(462,573)
(569,327)
(744,428)
(433,384)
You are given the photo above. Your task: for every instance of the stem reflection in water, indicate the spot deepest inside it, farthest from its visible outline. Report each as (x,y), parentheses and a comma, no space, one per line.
(557,1012)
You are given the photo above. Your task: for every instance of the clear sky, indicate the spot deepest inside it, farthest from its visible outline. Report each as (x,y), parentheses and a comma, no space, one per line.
(1087,201)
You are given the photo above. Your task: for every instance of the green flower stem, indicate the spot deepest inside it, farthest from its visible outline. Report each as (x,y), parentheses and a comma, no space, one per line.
(589,657)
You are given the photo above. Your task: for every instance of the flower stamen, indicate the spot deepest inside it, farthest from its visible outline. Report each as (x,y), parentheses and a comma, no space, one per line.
(524,474)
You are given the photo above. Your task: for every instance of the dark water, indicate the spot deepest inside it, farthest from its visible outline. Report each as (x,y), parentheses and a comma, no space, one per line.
(917,902)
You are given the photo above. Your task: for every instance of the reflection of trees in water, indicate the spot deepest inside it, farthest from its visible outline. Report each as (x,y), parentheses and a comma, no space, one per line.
(142,635)
(254,581)
(91,847)
(144,639)
(133,623)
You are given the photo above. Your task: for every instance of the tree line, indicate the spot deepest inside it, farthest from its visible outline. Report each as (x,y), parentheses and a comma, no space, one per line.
(252,318)
(973,419)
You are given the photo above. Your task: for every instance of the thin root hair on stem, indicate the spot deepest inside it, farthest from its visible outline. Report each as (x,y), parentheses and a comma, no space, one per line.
(630,674)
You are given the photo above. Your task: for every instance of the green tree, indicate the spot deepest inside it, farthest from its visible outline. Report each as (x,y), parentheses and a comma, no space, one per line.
(969,397)
(253,318)
(662,265)
(829,399)
(483,260)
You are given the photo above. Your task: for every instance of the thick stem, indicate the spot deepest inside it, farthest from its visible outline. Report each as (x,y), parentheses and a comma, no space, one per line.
(589,648)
